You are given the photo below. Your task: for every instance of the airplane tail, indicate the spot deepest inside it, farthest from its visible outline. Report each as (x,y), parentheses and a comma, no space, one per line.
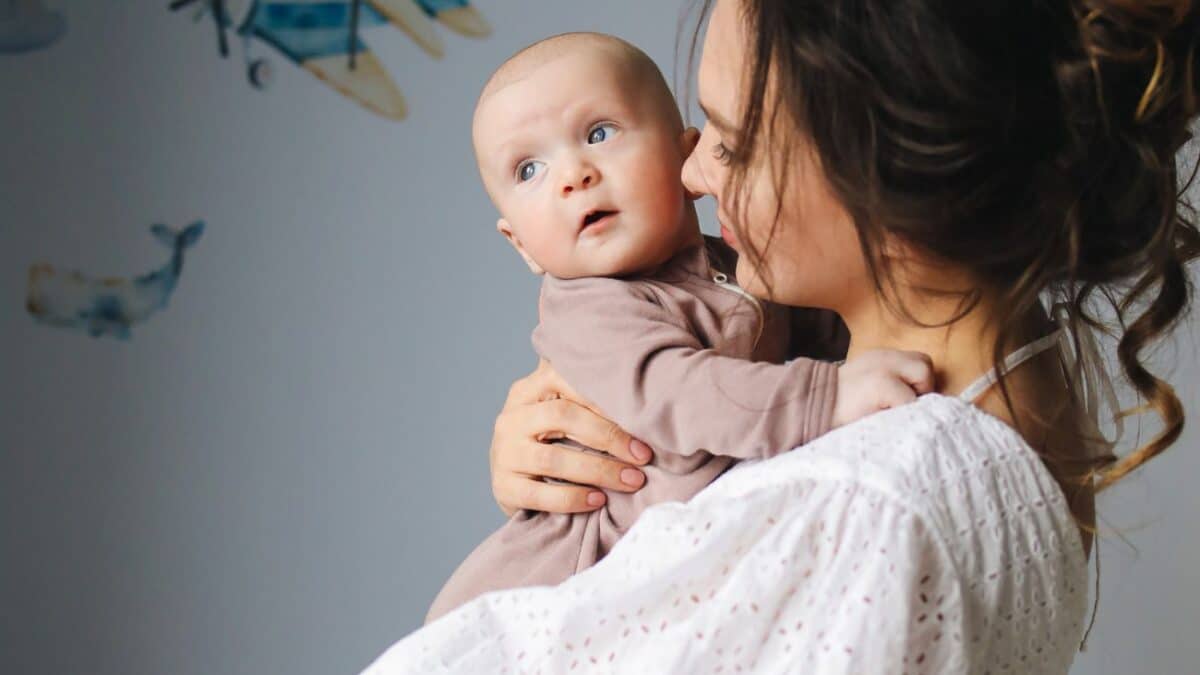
(178,240)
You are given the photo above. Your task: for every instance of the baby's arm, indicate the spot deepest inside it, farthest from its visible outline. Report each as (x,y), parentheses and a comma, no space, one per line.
(643,368)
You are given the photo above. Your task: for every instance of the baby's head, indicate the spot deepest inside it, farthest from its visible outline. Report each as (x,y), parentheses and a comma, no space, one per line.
(580,145)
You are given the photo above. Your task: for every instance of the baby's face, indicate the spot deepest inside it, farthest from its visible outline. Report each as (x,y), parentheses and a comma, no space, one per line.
(584,169)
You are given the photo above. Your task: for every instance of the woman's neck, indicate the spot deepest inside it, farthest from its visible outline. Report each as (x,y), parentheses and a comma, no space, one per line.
(961,351)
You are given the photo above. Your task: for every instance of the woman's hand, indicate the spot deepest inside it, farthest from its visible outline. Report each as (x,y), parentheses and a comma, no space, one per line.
(541,407)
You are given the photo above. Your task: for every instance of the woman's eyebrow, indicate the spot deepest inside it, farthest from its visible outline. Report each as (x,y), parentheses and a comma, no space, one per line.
(722,125)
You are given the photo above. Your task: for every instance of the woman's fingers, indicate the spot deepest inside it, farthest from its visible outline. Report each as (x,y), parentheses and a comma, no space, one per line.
(602,433)
(557,461)
(525,492)
(552,386)
(564,418)
(540,385)
(526,390)
(540,408)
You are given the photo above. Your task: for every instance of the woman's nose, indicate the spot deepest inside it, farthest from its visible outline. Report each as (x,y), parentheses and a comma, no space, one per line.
(582,176)
(694,185)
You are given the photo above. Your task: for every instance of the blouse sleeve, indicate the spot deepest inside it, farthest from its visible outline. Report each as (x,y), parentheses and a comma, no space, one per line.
(818,576)
(881,591)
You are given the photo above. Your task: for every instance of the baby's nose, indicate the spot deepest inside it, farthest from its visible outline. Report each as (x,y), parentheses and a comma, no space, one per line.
(584,177)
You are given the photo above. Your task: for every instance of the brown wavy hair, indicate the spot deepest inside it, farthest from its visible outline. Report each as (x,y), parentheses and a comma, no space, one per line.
(1032,141)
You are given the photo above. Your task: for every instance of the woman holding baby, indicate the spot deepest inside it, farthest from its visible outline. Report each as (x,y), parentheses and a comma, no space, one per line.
(987,183)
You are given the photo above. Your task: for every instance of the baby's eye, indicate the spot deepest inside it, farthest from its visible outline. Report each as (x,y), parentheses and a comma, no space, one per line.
(601,133)
(528,169)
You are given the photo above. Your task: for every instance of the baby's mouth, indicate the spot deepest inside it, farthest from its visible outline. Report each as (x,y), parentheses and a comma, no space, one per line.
(595,216)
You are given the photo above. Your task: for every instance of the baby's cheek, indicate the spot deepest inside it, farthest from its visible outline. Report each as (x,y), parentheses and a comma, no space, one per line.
(665,188)
(549,247)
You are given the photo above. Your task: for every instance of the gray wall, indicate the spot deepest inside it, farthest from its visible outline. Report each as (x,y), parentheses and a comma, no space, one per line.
(277,473)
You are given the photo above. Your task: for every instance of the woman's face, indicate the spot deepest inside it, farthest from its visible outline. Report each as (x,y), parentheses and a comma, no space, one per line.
(814,258)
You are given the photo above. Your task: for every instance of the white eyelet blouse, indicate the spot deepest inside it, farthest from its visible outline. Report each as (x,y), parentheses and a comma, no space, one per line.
(924,539)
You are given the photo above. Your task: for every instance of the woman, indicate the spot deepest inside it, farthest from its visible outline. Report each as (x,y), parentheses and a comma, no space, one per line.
(932,172)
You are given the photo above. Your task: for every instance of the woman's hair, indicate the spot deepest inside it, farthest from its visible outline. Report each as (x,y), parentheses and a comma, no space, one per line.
(1032,142)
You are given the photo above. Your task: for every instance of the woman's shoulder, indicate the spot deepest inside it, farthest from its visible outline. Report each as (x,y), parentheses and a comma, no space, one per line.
(971,477)
(911,448)
(935,440)
(969,487)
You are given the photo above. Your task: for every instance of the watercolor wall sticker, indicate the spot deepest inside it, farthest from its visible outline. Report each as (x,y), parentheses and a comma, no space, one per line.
(26,25)
(108,306)
(323,37)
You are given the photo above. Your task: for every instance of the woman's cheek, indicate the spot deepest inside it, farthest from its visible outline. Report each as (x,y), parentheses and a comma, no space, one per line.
(760,221)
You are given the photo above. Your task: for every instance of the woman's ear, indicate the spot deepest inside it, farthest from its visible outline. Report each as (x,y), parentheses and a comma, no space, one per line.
(505,229)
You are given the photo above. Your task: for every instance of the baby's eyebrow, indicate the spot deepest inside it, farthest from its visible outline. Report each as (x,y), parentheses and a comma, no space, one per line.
(503,166)
(507,153)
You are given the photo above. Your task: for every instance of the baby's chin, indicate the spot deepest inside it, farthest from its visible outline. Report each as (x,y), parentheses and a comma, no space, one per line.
(616,259)
(600,269)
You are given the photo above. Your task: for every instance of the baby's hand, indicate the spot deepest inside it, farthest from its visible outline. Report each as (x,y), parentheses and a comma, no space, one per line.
(880,379)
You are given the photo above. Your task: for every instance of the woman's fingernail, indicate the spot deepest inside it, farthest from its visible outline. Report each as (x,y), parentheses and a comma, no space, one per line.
(640,450)
(595,499)
(632,477)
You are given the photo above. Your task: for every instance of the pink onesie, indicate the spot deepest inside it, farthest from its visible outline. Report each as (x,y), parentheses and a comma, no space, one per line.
(682,359)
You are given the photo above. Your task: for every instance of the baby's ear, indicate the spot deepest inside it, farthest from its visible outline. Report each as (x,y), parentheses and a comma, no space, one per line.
(505,229)
(688,140)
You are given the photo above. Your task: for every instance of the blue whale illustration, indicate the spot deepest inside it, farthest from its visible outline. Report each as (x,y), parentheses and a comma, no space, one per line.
(26,25)
(108,306)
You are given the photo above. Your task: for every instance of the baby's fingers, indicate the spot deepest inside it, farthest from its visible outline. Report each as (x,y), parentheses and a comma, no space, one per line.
(893,393)
(916,368)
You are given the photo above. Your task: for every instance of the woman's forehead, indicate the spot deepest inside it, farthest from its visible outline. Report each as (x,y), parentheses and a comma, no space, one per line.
(721,59)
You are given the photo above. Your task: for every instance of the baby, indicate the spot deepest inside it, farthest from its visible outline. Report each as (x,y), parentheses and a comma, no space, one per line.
(580,145)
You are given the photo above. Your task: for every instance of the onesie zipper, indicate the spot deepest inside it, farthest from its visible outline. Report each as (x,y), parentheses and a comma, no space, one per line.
(722,280)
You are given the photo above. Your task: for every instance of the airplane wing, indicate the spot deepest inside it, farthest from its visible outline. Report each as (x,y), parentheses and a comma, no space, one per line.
(414,20)
(317,37)
(457,15)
